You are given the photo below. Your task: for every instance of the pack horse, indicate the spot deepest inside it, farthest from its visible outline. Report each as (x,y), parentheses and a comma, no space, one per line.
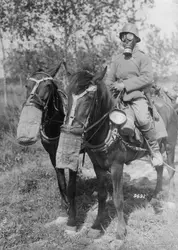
(88,124)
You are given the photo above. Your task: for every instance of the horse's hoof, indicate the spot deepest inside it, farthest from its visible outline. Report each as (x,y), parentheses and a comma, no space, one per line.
(116,244)
(157,205)
(94,233)
(83,230)
(61,220)
(71,230)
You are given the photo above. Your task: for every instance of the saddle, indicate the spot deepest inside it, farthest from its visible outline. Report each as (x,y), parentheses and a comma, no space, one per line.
(169,96)
(127,127)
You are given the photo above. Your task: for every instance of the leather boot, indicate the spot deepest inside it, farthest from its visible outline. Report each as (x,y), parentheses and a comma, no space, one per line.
(149,134)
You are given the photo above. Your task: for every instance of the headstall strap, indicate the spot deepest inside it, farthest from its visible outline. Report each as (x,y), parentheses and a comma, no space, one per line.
(37,82)
(40,80)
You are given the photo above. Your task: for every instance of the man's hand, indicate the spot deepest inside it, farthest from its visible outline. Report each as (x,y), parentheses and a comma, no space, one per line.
(118,86)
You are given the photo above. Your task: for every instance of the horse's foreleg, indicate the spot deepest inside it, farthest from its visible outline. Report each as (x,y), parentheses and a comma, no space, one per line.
(170,151)
(71,193)
(60,179)
(101,175)
(159,181)
(63,190)
(117,180)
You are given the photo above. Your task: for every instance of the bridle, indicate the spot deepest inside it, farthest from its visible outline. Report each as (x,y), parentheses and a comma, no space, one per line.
(85,128)
(35,100)
(38,103)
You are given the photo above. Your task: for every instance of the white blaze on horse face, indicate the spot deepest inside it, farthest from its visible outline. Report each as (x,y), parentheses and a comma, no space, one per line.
(37,83)
(72,112)
(92,88)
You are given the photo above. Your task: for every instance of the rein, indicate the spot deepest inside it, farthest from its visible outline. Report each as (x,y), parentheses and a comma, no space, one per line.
(97,122)
(47,138)
(103,147)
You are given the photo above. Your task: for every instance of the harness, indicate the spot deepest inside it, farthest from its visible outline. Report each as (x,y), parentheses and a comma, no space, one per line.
(40,104)
(112,137)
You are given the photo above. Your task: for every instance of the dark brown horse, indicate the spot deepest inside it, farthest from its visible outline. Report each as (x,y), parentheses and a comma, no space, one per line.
(43,93)
(87,125)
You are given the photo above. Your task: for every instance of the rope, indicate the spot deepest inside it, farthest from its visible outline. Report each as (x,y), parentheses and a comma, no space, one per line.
(169,166)
(135,148)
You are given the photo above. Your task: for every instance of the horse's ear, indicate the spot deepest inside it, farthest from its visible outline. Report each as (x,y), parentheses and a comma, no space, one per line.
(54,72)
(68,73)
(100,75)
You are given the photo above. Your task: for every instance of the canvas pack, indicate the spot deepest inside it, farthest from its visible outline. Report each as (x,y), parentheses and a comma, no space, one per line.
(29,125)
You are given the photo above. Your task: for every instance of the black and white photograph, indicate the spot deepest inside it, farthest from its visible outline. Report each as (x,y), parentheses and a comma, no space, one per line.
(89,124)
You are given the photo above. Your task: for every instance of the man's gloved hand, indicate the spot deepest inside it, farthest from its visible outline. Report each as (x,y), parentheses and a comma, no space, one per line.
(118,86)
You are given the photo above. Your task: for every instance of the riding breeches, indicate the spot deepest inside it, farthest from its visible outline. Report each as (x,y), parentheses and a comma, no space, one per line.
(145,122)
(141,111)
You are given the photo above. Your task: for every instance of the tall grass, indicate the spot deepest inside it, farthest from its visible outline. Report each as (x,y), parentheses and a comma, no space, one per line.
(11,153)
(9,115)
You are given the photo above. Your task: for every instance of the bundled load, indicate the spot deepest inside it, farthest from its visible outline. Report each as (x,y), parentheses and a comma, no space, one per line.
(29,125)
(69,147)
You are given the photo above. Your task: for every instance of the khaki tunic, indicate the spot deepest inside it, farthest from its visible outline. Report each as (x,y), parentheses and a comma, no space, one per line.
(135,72)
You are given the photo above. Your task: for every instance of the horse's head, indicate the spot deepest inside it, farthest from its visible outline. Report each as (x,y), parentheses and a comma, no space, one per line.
(88,102)
(42,100)
(40,86)
(83,97)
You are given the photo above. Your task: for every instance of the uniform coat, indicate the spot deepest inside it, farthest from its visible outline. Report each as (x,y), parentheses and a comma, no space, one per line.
(135,72)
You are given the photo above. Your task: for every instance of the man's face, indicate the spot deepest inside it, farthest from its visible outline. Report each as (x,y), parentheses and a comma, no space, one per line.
(128,40)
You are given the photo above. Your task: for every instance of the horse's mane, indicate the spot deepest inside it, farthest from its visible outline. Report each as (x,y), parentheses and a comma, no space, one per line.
(39,70)
(81,80)
(50,70)
(105,100)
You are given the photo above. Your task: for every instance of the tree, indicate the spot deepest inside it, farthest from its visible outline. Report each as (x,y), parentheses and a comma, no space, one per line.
(64,28)
(3,67)
(161,52)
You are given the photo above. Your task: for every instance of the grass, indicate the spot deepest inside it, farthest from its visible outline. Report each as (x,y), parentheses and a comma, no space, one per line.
(30,201)
(147,230)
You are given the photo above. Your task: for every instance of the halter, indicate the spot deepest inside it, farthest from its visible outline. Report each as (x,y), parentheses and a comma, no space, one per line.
(44,106)
(85,128)
(75,98)
(40,103)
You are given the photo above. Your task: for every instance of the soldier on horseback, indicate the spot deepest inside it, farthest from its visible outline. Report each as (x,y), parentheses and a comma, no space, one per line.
(131,73)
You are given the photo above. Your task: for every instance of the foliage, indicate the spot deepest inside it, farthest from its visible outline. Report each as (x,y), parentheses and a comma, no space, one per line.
(162,52)
(43,32)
